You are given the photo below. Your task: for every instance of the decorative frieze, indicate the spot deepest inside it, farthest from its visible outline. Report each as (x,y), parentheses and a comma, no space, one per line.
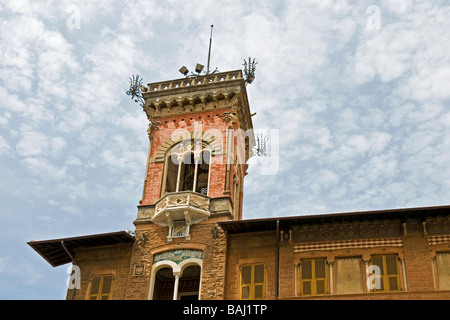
(438,239)
(178,256)
(347,230)
(438,225)
(348,244)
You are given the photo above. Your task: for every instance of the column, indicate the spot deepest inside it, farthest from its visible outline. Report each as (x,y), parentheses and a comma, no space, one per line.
(367,285)
(405,284)
(330,267)
(180,163)
(177,276)
(433,259)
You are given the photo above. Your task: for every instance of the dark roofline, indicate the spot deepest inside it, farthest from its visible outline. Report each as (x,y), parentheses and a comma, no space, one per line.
(269,224)
(53,251)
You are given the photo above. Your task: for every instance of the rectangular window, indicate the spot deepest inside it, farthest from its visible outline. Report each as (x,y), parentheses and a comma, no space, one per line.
(101,287)
(253,282)
(389,279)
(313,277)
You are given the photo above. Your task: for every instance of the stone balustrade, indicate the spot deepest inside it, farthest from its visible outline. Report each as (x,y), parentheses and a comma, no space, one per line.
(193,81)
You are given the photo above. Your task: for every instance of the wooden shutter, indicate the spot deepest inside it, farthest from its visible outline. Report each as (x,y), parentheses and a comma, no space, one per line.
(313,276)
(319,275)
(246,281)
(390,279)
(101,287)
(252,282)
(392,272)
(95,288)
(306,267)
(258,281)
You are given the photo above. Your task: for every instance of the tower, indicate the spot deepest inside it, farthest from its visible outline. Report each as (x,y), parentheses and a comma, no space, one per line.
(200,140)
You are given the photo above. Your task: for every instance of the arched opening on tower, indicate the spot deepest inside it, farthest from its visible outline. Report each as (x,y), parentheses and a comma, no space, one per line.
(193,175)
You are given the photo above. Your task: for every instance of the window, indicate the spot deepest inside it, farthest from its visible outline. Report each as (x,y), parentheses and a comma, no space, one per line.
(313,279)
(253,282)
(187,168)
(101,287)
(389,275)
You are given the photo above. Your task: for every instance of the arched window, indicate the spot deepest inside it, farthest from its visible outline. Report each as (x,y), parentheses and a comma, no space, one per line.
(187,167)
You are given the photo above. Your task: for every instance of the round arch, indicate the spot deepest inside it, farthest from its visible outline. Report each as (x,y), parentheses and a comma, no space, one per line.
(177,269)
(208,137)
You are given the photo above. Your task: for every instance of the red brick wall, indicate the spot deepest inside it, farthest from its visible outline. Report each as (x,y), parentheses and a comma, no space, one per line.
(206,121)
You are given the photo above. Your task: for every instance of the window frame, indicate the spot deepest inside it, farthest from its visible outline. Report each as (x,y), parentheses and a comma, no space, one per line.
(385,277)
(252,285)
(100,295)
(314,279)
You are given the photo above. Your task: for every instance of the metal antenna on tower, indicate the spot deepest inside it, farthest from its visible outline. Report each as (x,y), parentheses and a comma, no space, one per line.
(209,52)
(199,67)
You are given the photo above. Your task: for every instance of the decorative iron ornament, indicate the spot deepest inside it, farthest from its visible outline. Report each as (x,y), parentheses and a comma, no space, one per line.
(249,70)
(135,90)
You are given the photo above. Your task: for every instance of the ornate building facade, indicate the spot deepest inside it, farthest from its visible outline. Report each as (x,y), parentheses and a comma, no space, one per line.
(190,241)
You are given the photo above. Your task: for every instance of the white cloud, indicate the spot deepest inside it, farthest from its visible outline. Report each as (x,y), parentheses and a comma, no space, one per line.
(45,170)
(32,143)
(4,146)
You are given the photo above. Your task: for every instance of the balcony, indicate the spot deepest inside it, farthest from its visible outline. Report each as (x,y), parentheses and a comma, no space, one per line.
(186,206)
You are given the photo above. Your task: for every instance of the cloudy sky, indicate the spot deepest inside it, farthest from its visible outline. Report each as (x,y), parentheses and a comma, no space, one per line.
(353,95)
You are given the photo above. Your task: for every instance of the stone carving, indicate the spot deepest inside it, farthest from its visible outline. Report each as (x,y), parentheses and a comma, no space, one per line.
(139,270)
(182,199)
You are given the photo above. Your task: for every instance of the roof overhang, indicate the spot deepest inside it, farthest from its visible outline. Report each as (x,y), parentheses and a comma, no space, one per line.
(270,224)
(54,251)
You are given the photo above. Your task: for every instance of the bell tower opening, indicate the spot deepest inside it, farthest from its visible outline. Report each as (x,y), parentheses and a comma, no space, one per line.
(187,170)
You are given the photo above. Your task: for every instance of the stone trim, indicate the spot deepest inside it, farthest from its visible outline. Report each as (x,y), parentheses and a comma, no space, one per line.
(207,137)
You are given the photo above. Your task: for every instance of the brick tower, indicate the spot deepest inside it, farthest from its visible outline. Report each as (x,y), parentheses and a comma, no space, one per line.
(201,137)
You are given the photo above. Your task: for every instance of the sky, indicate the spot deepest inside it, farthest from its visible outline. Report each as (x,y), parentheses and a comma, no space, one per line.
(354,97)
